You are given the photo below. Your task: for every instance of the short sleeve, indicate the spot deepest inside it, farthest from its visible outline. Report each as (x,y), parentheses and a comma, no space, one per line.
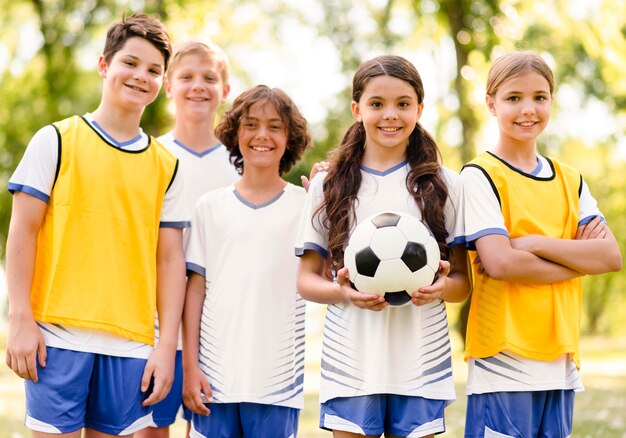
(311,233)
(587,205)
(482,213)
(454,208)
(175,212)
(37,171)
(196,241)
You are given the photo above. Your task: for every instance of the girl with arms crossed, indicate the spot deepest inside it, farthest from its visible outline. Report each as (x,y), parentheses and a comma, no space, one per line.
(534,229)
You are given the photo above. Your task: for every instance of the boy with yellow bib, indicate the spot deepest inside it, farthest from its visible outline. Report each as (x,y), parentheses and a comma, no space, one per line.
(94,249)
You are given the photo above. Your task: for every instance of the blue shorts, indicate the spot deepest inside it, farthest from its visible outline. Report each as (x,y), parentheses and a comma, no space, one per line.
(235,420)
(532,414)
(398,415)
(164,412)
(77,390)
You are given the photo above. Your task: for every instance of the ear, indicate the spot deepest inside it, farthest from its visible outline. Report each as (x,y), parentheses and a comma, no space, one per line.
(491,104)
(167,86)
(225,92)
(420,108)
(356,111)
(102,66)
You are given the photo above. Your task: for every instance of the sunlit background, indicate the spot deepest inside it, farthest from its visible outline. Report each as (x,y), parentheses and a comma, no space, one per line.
(48,53)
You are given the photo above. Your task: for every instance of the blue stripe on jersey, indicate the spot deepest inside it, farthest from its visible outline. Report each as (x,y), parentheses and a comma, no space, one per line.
(197,154)
(586,220)
(310,246)
(179,224)
(384,172)
(471,239)
(500,363)
(457,241)
(247,203)
(299,380)
(480,364)
(195,268)
(49,331)
(119,144)
(28,190)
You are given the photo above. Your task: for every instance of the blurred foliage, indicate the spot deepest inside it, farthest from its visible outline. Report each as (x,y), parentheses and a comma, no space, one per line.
(49,48)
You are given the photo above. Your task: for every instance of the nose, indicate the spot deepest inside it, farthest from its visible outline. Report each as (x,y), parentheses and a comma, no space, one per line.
(390,114)
(261,131)
(140,75)
(528,108)
(197,84)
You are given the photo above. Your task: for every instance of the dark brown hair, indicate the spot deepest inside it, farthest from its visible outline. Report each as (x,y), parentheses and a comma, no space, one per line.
(138,25)
(296,126)
(424,181)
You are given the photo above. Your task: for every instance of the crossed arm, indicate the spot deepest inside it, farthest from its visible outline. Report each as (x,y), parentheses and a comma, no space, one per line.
(541,259)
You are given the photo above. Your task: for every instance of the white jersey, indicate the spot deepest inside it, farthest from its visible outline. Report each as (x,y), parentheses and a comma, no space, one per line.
(35,175)
(507,371)
(204,171)
(252,326)
(400,350)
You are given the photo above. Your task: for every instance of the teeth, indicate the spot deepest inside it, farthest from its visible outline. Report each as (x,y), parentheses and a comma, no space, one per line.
(527,123)
(261,148)
(389,129)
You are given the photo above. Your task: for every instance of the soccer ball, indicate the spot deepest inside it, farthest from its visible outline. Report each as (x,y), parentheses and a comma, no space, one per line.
(391,254)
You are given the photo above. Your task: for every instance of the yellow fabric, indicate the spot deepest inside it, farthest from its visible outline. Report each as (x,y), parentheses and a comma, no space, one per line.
(539,322)
(96,250)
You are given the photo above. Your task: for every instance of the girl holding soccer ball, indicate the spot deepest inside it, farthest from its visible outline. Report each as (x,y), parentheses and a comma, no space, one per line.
(385,369)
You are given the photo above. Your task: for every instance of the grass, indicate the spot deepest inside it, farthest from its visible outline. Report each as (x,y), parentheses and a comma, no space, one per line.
(599,411)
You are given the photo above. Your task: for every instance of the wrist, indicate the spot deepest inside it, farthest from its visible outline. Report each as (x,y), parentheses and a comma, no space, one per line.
(24,313)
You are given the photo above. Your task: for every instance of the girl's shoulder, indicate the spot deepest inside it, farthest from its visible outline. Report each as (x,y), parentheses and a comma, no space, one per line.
(451,176)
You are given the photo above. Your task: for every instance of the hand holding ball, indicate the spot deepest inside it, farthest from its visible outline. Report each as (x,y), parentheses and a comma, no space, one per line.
(392,254)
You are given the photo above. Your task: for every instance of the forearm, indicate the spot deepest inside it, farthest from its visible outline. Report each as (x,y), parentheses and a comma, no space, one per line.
(170,287)
(590,256)
(26,218)
(458,284)
(192,315)
(501,261)
(525,267)
(312,284)
(20,262)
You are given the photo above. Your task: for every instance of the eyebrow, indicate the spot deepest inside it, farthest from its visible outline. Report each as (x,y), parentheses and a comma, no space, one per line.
(256,118)
(406,96)
(130,55)
(534,92)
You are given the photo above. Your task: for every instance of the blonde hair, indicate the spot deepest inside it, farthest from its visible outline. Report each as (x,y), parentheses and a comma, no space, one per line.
(205,50)
(514,63)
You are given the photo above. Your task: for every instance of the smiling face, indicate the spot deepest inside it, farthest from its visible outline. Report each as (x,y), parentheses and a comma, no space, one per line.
(522,105)
(197,87)
(389,110)
(262,137)
(133,77)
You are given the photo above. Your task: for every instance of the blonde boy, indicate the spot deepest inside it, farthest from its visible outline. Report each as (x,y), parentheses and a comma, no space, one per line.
(197,84)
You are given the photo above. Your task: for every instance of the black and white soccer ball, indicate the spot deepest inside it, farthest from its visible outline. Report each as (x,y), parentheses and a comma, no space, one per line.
(391,254)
